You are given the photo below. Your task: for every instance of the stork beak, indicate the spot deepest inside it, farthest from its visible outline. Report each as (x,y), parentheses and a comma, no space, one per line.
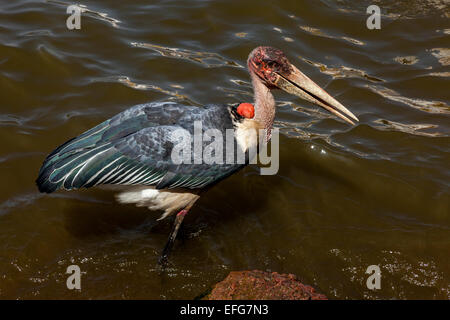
(298,84)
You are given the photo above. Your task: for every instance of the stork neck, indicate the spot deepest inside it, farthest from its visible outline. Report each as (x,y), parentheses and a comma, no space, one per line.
(264,104)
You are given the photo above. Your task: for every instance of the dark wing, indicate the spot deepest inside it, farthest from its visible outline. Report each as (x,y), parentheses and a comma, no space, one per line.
(135,147)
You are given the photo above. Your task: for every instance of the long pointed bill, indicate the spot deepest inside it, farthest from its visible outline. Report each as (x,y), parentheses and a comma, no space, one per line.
(298,84)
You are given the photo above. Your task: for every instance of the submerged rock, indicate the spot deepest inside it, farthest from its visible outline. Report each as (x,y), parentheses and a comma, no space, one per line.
(260,285)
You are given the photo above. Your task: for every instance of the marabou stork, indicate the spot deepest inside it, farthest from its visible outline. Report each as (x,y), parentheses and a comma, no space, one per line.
(132,150)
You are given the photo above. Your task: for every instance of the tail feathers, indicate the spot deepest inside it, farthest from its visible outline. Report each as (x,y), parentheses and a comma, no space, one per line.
(68,157)
(73,170)
(44,185)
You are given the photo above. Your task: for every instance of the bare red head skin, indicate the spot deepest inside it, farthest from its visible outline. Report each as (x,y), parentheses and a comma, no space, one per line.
(274,70)
(266,62)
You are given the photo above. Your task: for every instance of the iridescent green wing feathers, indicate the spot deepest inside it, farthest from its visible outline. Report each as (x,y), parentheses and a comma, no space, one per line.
(134,147)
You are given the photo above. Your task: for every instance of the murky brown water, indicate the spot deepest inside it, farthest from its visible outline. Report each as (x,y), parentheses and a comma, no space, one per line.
(344,198)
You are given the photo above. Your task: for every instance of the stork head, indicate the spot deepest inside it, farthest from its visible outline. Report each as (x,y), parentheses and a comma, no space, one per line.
(274,69)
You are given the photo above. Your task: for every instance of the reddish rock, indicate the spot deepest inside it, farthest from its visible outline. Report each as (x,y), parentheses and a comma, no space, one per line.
(260,285)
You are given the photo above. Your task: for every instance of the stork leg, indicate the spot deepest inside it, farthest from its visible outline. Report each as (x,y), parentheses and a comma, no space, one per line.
(173,234)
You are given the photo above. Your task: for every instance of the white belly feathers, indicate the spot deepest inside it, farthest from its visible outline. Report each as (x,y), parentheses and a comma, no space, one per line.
(170,201)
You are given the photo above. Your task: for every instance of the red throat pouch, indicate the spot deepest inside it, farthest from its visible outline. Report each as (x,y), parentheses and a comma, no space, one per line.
(247,110)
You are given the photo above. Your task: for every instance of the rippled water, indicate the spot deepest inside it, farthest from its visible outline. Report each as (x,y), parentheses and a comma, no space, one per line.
(344,198)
